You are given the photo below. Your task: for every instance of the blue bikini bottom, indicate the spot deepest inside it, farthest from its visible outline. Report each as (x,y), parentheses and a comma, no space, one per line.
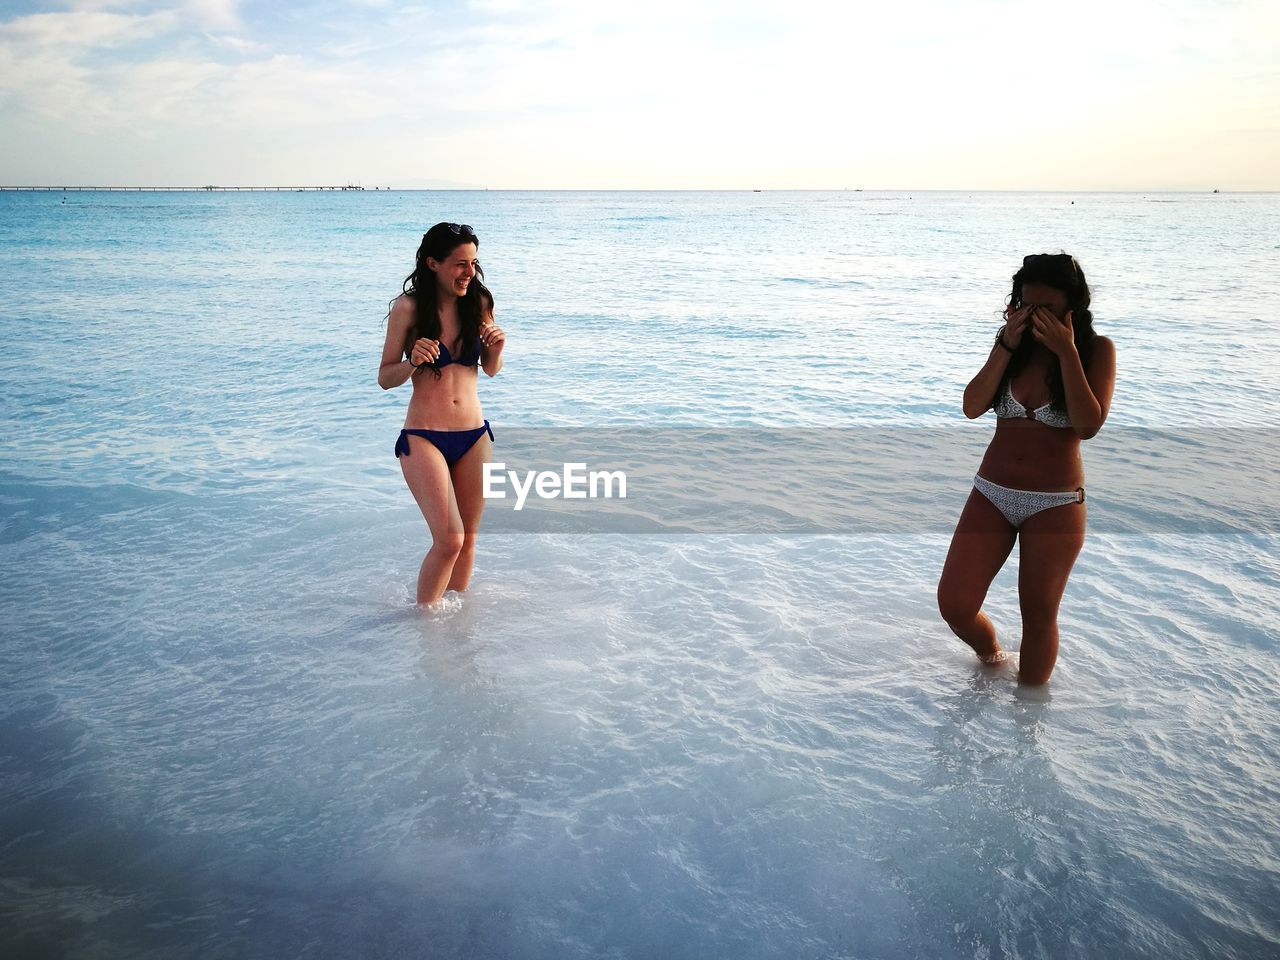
(452,444)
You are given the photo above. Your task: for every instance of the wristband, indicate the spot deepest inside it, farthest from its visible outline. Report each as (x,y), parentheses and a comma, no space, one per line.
(1000,341)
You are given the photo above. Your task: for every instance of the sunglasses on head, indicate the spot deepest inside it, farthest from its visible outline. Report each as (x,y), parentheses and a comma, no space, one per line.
(457,229)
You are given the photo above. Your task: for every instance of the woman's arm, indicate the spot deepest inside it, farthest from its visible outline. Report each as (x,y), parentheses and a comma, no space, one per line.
(394,368)
(978,394)
(1089,394)
(492,340)
(982,388)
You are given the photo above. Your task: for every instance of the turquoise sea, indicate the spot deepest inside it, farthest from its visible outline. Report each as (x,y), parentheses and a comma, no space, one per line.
(720,718)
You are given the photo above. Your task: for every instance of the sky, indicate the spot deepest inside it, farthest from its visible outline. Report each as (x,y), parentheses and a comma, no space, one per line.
(664,94)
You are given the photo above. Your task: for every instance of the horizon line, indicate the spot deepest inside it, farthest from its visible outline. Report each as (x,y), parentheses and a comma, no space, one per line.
(356,188)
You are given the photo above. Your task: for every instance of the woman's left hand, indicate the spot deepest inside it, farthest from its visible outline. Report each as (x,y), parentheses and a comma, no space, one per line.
(493,338)
(1057,335)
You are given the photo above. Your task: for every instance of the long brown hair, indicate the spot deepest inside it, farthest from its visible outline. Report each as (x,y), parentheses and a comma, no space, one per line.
(422,288)
(1058,271)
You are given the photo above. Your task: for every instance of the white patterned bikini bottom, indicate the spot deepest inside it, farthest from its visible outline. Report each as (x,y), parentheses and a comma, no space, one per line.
(1018,505)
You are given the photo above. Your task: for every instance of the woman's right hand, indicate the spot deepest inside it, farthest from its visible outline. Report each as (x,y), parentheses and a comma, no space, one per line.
(1015,325)
(424,351)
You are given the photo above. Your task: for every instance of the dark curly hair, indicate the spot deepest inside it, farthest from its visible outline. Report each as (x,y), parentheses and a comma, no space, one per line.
(421,288)
(1058,271)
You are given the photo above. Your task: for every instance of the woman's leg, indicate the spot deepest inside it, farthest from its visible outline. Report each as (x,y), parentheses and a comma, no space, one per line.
(468,485)
(1050,542)
(979,548)
(427,475)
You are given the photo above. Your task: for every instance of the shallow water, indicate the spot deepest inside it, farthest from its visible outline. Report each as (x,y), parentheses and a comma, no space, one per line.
(227,731)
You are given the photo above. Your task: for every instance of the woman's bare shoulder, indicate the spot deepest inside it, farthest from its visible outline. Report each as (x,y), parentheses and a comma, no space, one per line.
(402,310)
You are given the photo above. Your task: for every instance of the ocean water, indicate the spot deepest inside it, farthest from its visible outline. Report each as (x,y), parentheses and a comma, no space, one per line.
(720,718)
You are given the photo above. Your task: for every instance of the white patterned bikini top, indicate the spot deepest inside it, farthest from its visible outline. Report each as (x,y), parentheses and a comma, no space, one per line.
(1006,407)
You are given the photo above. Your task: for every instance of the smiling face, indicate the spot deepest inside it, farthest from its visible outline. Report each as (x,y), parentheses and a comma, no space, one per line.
(1038,295)
(454,272)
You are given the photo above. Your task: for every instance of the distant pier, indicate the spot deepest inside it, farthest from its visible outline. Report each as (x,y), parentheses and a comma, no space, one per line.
(211,188)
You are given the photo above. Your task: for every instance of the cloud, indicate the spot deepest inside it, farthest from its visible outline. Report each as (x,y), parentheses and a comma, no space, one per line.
(65,32)
(93,5)
(42,61)
(53,65)
(576,92)
(214,14)
(239,45)
(205,14)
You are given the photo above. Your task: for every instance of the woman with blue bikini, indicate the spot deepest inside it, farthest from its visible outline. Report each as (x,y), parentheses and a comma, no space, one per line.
(440,331)
(1049,379)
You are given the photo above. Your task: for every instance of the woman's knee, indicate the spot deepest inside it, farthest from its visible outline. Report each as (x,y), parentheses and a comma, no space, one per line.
(1039,619)
(448,545)
(956,608)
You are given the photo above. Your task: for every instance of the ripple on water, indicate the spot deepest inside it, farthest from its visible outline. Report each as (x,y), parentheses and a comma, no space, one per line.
(228,730)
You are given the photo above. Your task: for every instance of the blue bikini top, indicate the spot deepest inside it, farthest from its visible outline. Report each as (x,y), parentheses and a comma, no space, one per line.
(469,359)
(1007,407)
